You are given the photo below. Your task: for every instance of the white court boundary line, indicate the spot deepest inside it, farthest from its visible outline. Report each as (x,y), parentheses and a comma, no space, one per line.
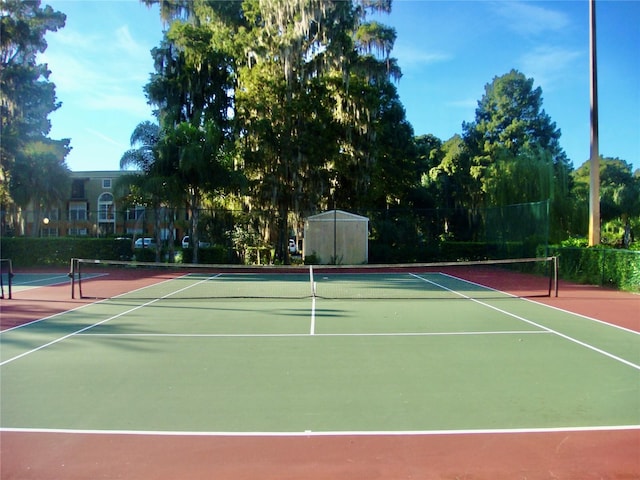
(530,322)
(88,304)
(313,312)
(312,329)
(64,279)
(553,307)
(113,317)
(286,335)
(309,433)
(336,433)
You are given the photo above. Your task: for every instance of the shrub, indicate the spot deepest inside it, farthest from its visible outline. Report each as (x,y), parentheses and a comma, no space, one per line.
(216,254)
(30,252)
(600,266)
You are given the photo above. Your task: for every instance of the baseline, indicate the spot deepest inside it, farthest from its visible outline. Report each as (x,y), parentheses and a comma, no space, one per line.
(332,433)
(288,335)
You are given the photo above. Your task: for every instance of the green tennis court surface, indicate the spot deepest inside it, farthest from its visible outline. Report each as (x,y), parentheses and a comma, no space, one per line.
(25,281)
(159,359)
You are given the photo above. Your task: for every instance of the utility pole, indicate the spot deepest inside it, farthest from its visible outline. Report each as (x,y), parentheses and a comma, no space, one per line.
(594,165)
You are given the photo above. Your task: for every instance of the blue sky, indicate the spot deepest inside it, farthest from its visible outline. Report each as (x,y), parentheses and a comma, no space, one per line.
(448,51)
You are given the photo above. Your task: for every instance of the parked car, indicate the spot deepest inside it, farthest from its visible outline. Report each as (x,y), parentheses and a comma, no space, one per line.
(293,248)
(186,244)
(145,242)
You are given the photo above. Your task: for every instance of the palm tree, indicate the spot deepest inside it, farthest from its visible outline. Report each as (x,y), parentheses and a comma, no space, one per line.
(196,160)
(145,141)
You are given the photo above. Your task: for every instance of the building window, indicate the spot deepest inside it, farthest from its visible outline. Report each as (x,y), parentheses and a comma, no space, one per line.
(77,188)
(106,183)
(135,213)
(78,211)
(49,232)
(51,214)
(106,208)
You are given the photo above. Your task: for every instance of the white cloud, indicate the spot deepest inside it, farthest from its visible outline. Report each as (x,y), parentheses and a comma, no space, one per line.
(125,44)
(106,138)
(468,103)
(120,101)
(530,18)
(410,57)
(548,64)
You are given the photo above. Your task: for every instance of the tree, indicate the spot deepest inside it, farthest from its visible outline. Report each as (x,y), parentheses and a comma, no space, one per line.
(619,192)
(191,91)
(40,177)
(310,94)
(510,116)
(150,189)
(284,115)
(512,141)
(364,102)
(453,186)
(511,124)
(198,160)
(310,80)
(26,100)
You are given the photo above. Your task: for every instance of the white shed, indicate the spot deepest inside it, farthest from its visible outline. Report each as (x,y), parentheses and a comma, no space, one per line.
(337,237)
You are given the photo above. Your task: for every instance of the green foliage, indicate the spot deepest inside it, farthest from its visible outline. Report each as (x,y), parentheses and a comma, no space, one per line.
(466,251)
(145,254)
(312,259)
(216,254)
(33,163)
(190,155)
(449,179)
(619,189)
(37,252)
(509,154)
(394,238)
(510,116)
(315,118)
(58,252)
(600,266)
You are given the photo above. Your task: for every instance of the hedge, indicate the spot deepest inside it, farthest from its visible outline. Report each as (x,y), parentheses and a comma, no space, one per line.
(58,251)
(600,266)
(215,254)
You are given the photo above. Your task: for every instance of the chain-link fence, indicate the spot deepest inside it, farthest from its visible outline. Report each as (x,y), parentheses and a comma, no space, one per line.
(395,235)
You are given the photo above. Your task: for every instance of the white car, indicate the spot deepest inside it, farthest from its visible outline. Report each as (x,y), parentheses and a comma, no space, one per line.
(145,242)
(293,248)
(201,244)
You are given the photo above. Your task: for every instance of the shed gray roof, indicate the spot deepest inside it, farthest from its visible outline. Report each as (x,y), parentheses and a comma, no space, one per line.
(341,215)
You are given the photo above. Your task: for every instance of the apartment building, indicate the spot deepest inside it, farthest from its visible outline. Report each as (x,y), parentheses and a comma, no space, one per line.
(91,209)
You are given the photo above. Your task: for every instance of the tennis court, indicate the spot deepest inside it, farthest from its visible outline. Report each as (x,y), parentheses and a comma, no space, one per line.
(24,281)
(348,354)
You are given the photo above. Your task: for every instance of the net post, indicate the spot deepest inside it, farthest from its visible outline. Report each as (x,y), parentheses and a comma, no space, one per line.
(2,278)
(72,275)
(9,271)
(555,273)
(548,269)
(79,272)
(10,277)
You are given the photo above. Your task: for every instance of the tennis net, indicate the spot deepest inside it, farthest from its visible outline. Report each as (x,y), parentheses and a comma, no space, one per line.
(520,277)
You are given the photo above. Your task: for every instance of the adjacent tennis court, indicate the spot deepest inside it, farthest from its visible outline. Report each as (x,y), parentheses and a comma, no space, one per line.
(24,281)
(403,352)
